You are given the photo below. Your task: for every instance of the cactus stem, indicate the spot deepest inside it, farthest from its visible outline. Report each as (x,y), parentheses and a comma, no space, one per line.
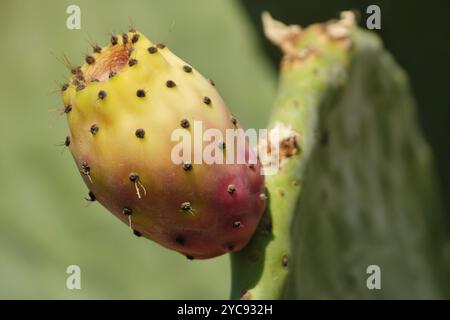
(261,267)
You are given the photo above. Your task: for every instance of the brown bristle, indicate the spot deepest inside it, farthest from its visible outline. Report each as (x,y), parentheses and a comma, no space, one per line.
(114,40)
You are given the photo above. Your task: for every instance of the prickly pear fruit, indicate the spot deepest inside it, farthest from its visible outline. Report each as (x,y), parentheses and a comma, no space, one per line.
(122,107)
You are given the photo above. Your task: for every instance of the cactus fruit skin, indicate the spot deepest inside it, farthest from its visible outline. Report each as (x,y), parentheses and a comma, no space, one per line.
(360,191)
(122,106)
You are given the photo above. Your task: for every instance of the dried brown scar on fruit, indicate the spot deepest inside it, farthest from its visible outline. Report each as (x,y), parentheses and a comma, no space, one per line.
(287,141)
(110,59)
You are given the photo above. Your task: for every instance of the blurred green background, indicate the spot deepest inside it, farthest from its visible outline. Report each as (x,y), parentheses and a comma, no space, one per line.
(45,224)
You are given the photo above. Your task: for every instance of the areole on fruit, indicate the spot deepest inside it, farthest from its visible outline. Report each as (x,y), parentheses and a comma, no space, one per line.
(125,102)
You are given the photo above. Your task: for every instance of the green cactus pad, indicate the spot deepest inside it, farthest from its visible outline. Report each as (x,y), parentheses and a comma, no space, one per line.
(358,191)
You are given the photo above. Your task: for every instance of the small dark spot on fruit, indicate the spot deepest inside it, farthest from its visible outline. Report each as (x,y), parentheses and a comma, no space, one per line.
(102,94)
(152,50)
(75,70)
(137,233)
(85,168)
(280,192)
(236,224)
(91,196)
(68,108)
(114,40)
(90,59)
(127,211)
(134,177)
(231,189)
(97,49)
(80,76)
(81,86)
(94,129)
(67,141)
(184,123)
(112,74)
(186,206)
(251,166)
(170,84)
(140,133)
(134,38)
(212,82)
(231,247)
(64,87)
(206,100)
(190,257)
(124,38)
(285,261)
(180,240)
(140,93)
(160,45)
(295,183)
(132,62)
(187,69)
(187,166)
